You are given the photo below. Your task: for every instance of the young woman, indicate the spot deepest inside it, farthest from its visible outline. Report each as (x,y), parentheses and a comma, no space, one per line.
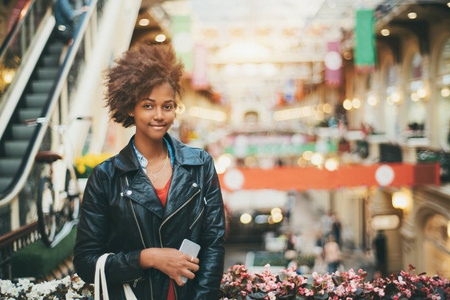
(141,203)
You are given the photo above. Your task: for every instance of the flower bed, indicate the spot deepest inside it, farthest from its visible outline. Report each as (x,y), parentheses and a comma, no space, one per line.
(238,284)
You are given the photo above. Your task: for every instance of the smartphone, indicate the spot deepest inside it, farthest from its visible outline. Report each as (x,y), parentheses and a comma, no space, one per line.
(190,248)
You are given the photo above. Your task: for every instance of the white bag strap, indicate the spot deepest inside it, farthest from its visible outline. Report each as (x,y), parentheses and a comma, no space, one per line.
(100,278)
(129,295)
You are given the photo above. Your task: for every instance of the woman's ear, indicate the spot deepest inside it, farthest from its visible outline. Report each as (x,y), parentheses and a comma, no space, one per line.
(131,114)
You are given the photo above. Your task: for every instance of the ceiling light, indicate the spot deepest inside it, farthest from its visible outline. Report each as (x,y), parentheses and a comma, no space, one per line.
(356,103)
(160,38)
(395,97)
(385,32)
(372,100)
(327,108)
(144,22)
(347,104)
(448,4)
(317,159)
(245,218)
(445,92)
(422,93)
(412,15)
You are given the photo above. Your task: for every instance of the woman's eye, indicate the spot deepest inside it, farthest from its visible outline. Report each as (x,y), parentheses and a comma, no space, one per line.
(147,106)
(168,107)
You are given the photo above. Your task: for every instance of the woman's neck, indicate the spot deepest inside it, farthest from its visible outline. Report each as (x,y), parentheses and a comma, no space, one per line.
(150,149)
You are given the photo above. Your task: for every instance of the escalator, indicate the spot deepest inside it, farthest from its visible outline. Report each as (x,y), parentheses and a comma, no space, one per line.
(39,79)
(17,138)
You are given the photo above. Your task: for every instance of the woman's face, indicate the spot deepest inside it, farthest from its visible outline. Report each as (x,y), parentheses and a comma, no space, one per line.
(154,114)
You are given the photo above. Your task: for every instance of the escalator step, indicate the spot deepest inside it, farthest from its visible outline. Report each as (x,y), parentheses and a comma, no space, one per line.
(4,182)
(42,86)
(50,60)
(47,73)
(55,48)
(22,132)
(35,100)
(29,113)
(16,148)
(9,166)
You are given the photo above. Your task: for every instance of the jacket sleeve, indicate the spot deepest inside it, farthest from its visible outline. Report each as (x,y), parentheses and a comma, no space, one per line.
(93,234)
(211,257)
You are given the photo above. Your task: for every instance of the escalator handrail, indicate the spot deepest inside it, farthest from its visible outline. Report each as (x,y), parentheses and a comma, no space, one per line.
(25,168)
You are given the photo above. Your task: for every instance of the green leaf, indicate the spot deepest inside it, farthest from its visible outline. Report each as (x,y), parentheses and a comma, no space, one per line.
(258,295)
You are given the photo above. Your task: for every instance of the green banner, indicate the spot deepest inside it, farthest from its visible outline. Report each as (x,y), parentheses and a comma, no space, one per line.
(278,149)
(182,40)
(365,54)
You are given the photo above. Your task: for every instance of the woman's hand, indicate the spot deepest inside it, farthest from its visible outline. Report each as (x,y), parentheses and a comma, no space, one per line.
(170,261)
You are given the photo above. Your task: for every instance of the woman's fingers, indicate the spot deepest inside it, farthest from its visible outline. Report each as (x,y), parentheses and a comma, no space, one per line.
(171,262)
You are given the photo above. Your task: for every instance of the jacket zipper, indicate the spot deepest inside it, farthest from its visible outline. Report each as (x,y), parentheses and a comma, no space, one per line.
(196,219)
(160,237)
(142,240)
(175,212)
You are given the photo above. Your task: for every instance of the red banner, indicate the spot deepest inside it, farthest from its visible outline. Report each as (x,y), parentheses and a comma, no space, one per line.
(347,176)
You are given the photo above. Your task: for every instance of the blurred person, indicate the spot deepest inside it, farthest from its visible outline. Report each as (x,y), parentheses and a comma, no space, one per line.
(380,247)
(325,222)
(332,254)
(289,205)
(65,20)
(140,204)
(336,228)
(319,262)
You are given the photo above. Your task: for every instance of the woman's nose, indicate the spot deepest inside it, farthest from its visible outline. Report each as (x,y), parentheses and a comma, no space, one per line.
(158,114)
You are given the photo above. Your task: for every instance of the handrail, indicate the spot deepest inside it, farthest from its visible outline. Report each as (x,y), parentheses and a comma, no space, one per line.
(52,100)
(15,235)
(20,54)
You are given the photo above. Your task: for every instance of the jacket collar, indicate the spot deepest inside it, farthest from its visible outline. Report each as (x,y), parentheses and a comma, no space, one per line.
(184,155)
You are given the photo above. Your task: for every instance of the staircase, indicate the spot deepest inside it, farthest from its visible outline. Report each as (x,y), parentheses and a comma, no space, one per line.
(16,139)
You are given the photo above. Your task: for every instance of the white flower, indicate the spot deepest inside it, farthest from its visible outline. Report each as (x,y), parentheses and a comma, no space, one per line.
(13,291)
(24,283)
(271,296)
(71,295)
(66,281)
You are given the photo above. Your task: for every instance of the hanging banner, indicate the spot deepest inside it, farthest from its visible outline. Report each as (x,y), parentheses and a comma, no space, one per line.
(182,40)
(333,64)
(200,76)
(365,55)
(347,176)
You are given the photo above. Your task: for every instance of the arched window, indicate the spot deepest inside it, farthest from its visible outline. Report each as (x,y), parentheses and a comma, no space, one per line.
(437,245)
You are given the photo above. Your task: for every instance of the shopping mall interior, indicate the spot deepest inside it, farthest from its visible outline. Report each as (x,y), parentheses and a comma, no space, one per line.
(324,115)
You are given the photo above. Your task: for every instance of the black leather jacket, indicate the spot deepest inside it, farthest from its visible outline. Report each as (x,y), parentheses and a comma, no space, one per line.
(122,214)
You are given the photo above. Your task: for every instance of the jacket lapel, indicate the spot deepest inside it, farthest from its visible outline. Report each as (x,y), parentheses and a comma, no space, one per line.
(142,192)
(182,188)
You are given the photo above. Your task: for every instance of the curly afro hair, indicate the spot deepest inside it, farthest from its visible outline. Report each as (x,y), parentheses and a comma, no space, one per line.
(134,76)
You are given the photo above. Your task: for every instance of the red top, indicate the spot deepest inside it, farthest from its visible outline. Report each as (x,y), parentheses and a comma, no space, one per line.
(162,195)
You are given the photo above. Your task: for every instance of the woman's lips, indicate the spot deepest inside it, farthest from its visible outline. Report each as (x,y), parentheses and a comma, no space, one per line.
(157,126)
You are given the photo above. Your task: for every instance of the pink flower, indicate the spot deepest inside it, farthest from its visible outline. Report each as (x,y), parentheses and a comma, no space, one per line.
(408,293)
